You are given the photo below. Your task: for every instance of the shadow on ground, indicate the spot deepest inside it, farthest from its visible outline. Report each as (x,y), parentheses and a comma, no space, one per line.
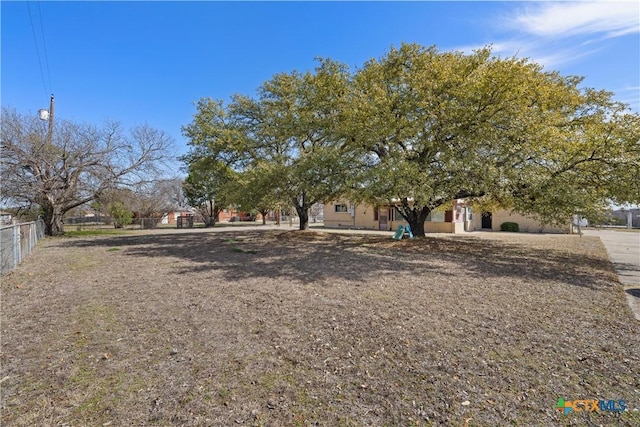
(625,268)
(312,257)
(634,292)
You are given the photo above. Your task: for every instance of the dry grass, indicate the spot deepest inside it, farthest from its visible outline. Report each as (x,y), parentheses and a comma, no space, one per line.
(305,328)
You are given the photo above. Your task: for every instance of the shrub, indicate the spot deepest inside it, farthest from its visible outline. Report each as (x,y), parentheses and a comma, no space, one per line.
(120,214)
(509,226)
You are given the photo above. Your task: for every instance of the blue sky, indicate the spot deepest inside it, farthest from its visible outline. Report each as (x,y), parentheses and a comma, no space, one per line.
(148,62)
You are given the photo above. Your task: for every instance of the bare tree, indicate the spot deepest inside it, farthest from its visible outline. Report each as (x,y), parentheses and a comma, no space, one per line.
(152,200)
(175,192)
(76,165)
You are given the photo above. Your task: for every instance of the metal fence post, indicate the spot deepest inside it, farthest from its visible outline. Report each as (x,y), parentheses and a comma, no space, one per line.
(16,246)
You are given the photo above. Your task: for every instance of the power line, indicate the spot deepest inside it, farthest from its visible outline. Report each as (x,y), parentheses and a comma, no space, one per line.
(44,45)
(35,41)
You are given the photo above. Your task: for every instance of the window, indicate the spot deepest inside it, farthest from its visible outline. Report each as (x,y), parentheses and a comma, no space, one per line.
(341,208)
(375,213)
(436,217)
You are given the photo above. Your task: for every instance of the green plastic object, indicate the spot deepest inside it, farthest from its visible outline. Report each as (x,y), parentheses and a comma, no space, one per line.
(399,233)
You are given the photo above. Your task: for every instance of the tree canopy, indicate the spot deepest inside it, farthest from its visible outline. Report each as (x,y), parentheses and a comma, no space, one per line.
(284,142)
(208,188)
(441,126)
(418,128)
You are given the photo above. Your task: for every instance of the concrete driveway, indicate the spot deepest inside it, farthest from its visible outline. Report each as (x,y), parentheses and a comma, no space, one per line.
(624,252)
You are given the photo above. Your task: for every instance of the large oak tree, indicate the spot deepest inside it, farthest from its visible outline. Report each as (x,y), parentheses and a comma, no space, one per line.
(437,126)
(284,139)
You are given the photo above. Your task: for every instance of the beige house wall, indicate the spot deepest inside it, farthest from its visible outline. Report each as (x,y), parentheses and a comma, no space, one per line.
(363,218)
(438,227)
(525,223)
(337,219)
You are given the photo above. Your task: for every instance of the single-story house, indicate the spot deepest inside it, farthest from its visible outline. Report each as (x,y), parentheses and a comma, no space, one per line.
(528,224)
(230,215)
(455,218)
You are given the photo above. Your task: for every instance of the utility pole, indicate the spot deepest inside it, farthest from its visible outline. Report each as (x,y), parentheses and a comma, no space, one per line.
(48,115)
(50,134)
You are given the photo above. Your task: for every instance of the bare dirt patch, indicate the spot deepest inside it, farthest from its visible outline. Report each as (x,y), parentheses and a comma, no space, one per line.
(310,328)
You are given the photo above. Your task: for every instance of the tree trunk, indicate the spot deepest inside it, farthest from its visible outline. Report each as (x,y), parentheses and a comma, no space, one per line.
(53,225)
(211,220)
(302,208)
(416,218)
(264,213)
(303,214)
(210,215)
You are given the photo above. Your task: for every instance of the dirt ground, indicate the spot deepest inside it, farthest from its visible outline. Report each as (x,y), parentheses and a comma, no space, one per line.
(282,328)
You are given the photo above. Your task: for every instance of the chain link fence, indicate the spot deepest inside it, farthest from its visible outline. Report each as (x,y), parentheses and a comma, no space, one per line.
(17,241)
(99,221)
(95,219)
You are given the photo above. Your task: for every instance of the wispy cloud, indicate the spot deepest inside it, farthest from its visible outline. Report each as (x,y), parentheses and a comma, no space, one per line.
(611,19)
(560,56)
(559,33)
(547,54)
(629,95)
